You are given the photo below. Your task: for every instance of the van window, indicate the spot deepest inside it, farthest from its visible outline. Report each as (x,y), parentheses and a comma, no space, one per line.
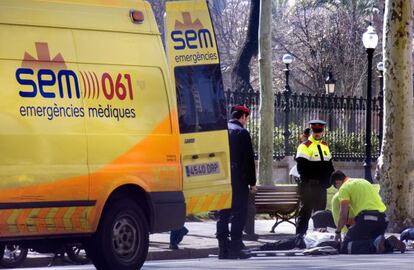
(200,98)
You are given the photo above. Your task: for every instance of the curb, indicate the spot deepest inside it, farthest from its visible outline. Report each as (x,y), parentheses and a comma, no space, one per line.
(180,254)
(43,261)
(185,253)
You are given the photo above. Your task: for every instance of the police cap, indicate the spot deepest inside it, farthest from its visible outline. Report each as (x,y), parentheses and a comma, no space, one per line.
(317,125)
(240,108)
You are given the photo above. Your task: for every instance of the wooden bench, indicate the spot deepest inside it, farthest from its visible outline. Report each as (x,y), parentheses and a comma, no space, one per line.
(280,202)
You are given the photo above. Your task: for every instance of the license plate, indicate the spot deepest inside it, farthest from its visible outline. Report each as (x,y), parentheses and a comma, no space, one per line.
(202,169)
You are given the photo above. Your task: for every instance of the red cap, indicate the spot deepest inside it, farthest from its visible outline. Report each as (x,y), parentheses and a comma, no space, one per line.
(240,108)
(317,125)
(313,126)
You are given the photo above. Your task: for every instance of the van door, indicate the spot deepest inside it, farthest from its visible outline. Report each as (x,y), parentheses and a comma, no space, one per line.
(44,180)
(195,66)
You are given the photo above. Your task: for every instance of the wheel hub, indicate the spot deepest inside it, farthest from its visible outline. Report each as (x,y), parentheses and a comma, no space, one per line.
(125,238)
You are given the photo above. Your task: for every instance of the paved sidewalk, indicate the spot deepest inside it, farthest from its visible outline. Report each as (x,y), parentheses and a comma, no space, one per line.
(201,241)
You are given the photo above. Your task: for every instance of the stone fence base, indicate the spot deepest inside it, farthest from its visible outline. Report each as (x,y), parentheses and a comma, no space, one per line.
(282,167)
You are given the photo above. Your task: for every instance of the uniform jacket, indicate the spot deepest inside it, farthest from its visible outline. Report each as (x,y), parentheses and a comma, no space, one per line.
(241,155)
(314,161)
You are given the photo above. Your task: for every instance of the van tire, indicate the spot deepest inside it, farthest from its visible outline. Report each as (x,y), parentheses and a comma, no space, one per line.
(122,239)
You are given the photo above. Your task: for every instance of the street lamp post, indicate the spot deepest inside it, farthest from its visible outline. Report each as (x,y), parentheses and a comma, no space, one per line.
(330,84)
(330,90)
(380,68)
(287,60)
(370,40)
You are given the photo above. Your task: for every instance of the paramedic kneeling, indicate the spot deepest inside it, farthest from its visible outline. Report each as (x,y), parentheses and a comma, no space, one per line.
(366,236)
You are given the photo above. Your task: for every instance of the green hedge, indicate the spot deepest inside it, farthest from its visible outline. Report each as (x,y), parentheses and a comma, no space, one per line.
(341,142)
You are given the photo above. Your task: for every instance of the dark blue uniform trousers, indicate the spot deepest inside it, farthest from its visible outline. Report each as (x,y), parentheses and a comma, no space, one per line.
(176,236)
(360,236)
(236,215)
(312,198)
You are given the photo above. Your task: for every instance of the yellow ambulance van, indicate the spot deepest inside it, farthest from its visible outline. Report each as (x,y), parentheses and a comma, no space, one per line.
(104,140)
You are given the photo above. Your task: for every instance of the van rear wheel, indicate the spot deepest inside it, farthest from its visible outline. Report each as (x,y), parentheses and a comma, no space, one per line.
(122,239)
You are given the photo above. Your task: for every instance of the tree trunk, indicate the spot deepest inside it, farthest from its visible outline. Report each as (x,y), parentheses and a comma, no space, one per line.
(266,110)
(241,70)
(395,170)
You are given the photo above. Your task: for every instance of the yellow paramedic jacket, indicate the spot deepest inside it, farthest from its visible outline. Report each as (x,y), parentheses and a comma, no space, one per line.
(335,212)
(361,195)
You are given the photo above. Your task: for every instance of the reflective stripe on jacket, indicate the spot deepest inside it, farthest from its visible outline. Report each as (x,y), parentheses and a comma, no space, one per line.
(314,161)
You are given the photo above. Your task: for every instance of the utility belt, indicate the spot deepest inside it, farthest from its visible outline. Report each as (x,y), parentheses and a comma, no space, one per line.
(371,215)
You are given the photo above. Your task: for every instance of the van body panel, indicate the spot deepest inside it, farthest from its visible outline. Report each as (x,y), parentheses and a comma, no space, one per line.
(36,160)
(126,49)
(86,107)
(168,210)
(107,15)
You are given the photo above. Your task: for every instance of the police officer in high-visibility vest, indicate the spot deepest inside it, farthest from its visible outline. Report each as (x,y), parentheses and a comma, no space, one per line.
(314,163)
(366,235)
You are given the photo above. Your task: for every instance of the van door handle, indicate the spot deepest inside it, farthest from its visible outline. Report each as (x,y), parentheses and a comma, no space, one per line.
(211,155)
(194,157)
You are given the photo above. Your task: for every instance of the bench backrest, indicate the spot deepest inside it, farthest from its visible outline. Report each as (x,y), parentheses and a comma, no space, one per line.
(283,199)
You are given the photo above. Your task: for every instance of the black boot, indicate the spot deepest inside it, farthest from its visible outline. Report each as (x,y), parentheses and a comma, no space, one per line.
(180,236)
(236,251)
(395,244)
(223,249)
(299,241)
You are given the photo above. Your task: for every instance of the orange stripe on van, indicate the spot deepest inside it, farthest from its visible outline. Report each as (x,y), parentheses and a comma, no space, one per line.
(21,221)
(223,200)
(4,216)
(76,223)
(192,202)
(12,220)
(41,220)
(207,202)
(84,218)
(59,219)
(145,151)
(31,219)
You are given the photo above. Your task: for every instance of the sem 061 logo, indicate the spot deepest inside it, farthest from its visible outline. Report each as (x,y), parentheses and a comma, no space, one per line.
(49,78)
(190,34)
(41,75)
(189,38)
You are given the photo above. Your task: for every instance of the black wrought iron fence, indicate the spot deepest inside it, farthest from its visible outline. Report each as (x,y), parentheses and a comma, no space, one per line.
(345,117)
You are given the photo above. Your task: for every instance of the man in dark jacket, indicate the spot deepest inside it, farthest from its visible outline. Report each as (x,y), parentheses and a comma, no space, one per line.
(243,179)
(314,162)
